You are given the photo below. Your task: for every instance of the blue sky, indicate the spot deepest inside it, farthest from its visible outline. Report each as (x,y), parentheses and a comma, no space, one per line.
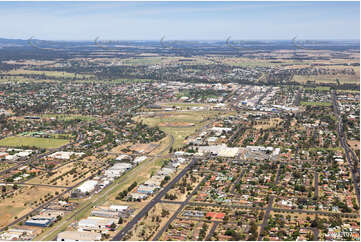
(179,20)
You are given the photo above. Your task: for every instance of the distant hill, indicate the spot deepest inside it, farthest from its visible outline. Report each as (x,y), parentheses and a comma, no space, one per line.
(17,42)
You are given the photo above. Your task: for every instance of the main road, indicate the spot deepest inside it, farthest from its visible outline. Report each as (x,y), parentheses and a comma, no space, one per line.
(157,236)
(352,159)
(152,203)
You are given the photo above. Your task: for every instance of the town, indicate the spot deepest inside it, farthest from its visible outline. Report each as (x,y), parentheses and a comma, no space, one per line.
(178,161)
(210,137)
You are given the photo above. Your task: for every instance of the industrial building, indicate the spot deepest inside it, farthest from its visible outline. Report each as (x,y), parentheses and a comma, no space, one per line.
(118,208)
(124,158)
(117,169)
(64,155)
(114,211)
(139,159)
(38,222)
(219,150)
(95,224)
(146,189)
(86,187)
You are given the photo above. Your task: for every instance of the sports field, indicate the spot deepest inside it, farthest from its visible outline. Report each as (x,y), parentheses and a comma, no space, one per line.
(19,141)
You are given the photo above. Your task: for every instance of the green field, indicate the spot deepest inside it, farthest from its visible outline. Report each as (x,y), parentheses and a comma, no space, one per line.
(321,104)
(327,78)
(18,141)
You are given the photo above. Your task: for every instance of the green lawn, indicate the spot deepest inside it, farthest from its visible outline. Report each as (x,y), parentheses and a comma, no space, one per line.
(18,141)
(323,104)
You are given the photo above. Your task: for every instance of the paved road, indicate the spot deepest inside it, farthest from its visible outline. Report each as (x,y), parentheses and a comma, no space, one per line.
(161,231)
(316,184)
(315,136)
(278,175)
(237,180)
(151,204)
(211,232)
(316,233)
(351,160)
(171,202)
(224,205)
(204,220)
(326,213)
(269,208)
(266,216)
(32,184)
(298,98)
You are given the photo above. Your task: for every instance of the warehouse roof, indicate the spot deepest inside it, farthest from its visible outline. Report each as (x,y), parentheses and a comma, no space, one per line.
(88,186)
(118,208)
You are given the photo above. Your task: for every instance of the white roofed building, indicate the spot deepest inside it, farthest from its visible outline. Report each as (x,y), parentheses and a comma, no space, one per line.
(139,159)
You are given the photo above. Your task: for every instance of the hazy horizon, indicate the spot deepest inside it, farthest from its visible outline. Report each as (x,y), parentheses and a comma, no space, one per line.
(207,21)
(185,40)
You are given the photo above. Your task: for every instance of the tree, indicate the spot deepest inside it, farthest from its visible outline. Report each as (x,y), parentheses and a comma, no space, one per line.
(120,221)
(164,213)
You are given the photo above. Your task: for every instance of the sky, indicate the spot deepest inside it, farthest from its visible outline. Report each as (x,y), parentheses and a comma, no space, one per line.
(180,20)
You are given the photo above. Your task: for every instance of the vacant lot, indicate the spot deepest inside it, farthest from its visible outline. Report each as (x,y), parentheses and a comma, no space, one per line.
(24,199)
(18,141)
